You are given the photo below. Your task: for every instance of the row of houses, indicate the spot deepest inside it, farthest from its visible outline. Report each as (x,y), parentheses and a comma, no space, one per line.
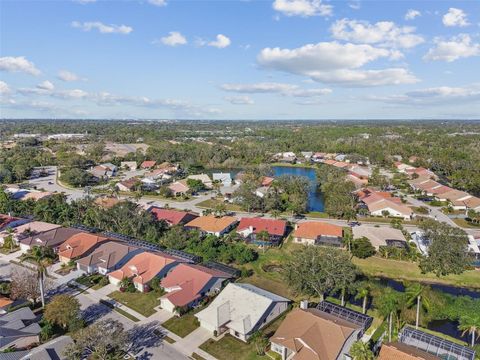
(380,203)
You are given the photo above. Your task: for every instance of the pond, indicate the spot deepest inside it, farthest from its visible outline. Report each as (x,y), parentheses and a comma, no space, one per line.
(315,197)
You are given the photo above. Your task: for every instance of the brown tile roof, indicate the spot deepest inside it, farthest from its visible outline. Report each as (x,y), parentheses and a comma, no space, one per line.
(212,223)
(148,164)
(4,301)
(313,335)
(51,238)
(267,181)
(108,254)
(106,202)
(314,229)
(399,351)
(143,267)
(79,244)
(191,280)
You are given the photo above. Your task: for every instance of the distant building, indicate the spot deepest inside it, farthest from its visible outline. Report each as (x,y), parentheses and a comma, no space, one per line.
(129,165)
(318,233)
(224,178)
(213,225)
(204,178)
(249,228)
(148,164)
(172,217)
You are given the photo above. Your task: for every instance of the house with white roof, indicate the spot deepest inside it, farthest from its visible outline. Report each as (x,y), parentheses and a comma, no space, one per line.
(241,309)
(224,178)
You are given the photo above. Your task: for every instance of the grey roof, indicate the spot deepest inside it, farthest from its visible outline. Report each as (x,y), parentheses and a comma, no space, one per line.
(51,238)
(18,323)
(53,350)
(107,254)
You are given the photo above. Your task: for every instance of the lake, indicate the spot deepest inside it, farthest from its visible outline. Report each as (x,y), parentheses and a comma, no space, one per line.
(315,198)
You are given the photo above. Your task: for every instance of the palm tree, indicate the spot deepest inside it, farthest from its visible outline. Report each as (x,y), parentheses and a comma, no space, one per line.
(361,351)
(8,241)
(362,293)
(416,293)
(470,324)
(387,304)
(42,257)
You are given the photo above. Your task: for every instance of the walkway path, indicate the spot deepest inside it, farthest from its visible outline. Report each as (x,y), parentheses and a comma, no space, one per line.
(190,343)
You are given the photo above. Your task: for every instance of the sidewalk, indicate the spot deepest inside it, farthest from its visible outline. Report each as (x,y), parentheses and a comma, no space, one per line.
(192,341)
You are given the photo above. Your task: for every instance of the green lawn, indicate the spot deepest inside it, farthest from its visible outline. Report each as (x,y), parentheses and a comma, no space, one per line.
(317,215)
(143,303)
(394,269)
(228,348)
(127,315)
(466,224)
(182,326)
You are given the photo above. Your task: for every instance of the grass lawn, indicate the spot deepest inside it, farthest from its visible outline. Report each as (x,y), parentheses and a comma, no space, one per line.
(143,303)
(127,315)
(376,266)
(317,215)
(182,326)
(466,224)
(195,356)
(211,203)
(228,348)
(169,340)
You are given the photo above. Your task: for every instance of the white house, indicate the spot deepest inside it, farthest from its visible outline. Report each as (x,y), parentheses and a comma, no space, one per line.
(224,178)
(241,309)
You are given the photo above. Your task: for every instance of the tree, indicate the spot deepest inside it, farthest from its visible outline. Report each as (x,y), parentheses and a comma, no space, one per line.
(316,271)
(447,253)
(62,310)
(42,257)
(363,290)
(76,177)
(9,241)
(260,341)
(104,340)
(25,285)
(362,248)
(361,351)
(220,209)
(470,324)
(388,304)
(415,293)
(195,185)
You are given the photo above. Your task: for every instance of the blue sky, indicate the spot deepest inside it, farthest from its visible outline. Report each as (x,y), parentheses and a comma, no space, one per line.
(272,59)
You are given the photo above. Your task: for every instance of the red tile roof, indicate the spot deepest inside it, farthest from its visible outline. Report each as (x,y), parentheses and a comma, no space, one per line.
(173,217)
(267,181)
(148,164)
(190,281)
(273,227)
(79,244)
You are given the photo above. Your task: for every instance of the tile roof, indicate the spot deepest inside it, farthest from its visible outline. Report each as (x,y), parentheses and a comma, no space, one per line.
(399,351)
(189,280)
(179,186)
(267,180)
(313,335)
(37,195)
(314,229)
(106,202)
(32,228)
(107,255)
(148,164)
(79,244)
(143,267)
(377,235)
(273,227)
(172,217)
(212,223)
(51,238)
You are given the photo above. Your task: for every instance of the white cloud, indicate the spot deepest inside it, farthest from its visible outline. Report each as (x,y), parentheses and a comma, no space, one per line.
(71,94)
(332,62)
(103,28)
(239,100)
(442,95)
(221,42)
(303,8)
(457,47)
(174,38)
(18,64)
(46,85)
(4,88)
(355,5)
(384,33)
(412,14)
(278,88)
(158,2)
(455,17)
(68,76)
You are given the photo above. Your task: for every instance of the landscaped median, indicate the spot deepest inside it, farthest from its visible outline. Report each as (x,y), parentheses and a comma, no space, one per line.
(143,303)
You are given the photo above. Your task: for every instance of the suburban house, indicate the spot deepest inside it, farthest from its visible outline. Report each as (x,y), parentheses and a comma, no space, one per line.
(104,171)
(224,178)
(51,238)
(318,233)
(357,180)
(129,165)
(143,268)
(286,157)
(148,164)
(79,245)
(213,225)
(187,284)
(172,217)
(179,188)
(380,236)
(311,334)
(108,256)
(204,178)
(396,350)
(267,181)
(27,230)
(420,171)
(7,221)
(241,309)
(249,228)
(128,185)
(36,195)
(19,329)
(381,203)
(402,168)
(52,350)
(106,202)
